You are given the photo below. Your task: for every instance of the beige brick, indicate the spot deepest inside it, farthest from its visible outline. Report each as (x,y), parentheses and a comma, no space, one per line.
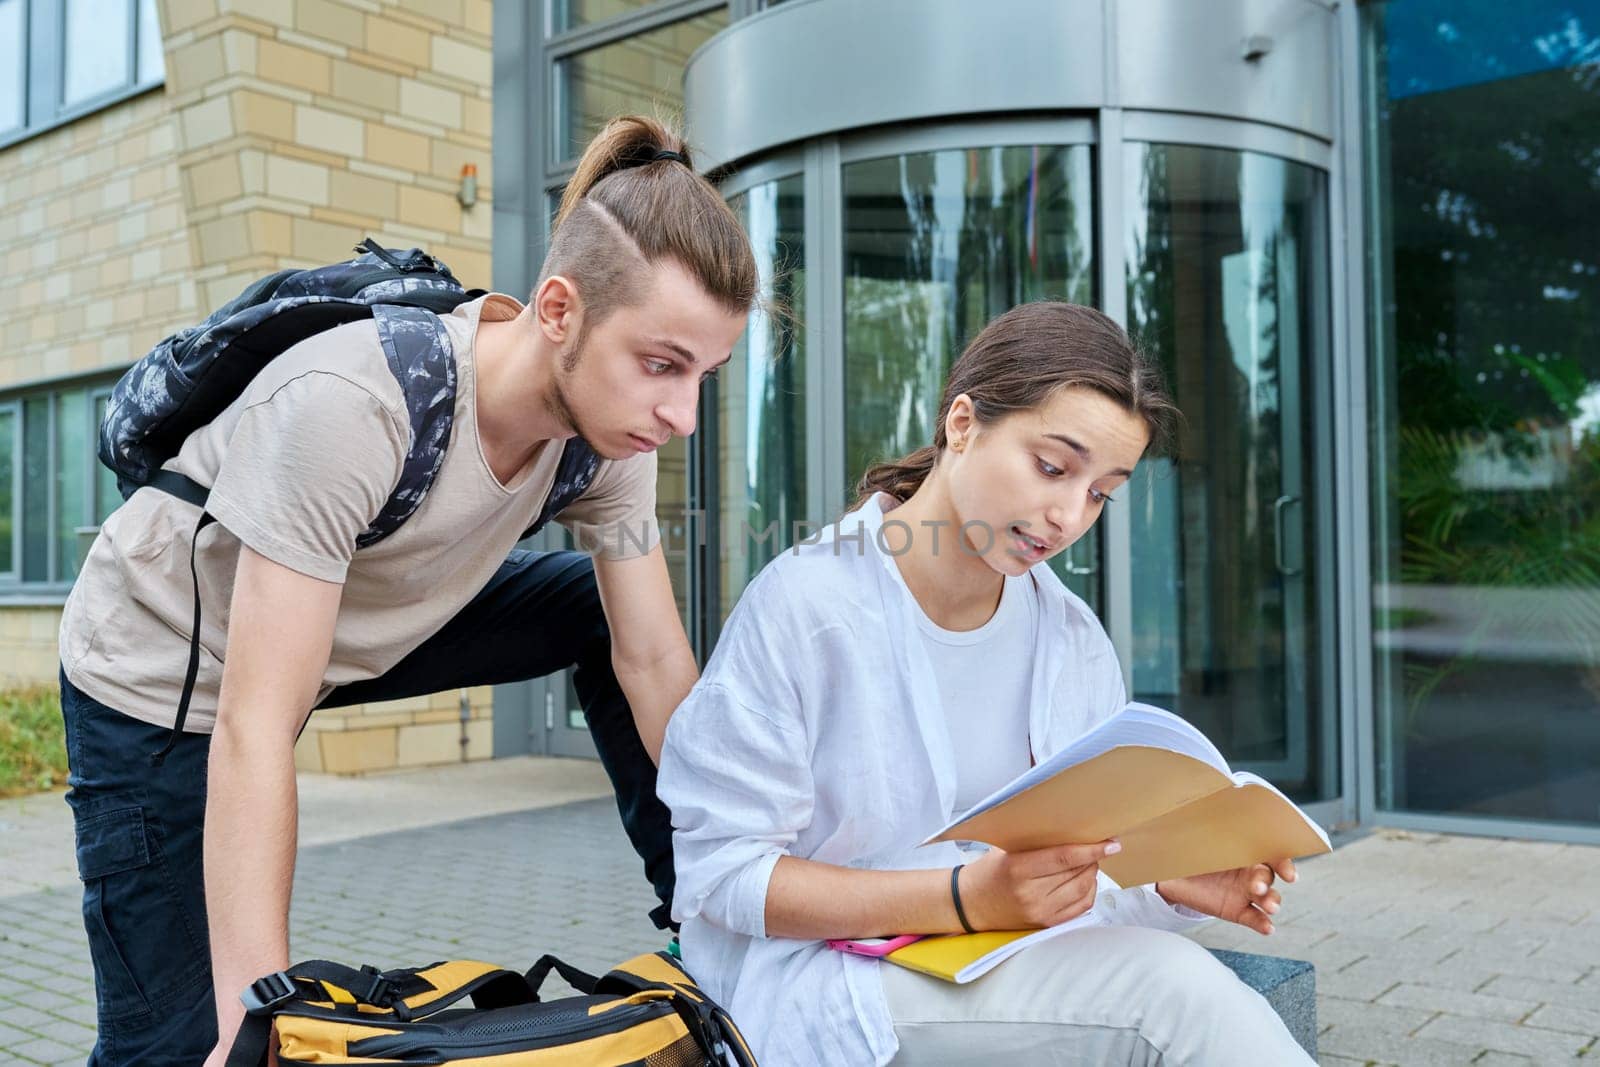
(196,65)
(323,242)
(429,103)
(478,16)
(145,263)
(477,116)
(357,83)
(293,180)
(409,45)
(357,751)
(445,12)
(115,272)
(163,137)
(154,181)
(132,228)
(428,744)
(269,116)
(239,51)
(365,223)
(424,207)
(398,148)
(252,171)
(271,232)
(458,59)
(288,64)
(449,157)
(179,15)
(308,753)
(328,131)
(279,13)
(213,181)
(222,239)
(349,191)
(438,743)
(331,22)
(206,123)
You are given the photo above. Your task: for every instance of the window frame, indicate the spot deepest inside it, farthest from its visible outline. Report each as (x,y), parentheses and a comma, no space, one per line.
(56,584)
(42,77)
(13,406)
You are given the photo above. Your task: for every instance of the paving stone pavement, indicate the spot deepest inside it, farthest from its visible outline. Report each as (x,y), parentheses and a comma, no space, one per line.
(1430,949)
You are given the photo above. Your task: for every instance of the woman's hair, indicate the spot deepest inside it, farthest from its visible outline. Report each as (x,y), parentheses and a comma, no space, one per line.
(1018,362)
(630,205)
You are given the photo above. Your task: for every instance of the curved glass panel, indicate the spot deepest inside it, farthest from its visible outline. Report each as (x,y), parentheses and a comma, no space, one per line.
(760,402)
(639,75)
(935,245)
(1227,284)
(1486,407)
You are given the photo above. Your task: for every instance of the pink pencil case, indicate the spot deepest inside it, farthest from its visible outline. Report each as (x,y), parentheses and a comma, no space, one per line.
(876,947)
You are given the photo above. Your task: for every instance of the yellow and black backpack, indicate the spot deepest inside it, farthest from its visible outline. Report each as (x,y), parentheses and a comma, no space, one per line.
(645,1012)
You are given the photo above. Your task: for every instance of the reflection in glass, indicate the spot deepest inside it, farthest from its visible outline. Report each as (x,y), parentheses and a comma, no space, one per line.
(36,489)
(106,497)
(673,503)
(74,450)
(640,75)
(1226,285)
(13,72)
(760,401)
(567,14)
(936,244)
(95,47)
(150,64)
(1486,407)
(8,490)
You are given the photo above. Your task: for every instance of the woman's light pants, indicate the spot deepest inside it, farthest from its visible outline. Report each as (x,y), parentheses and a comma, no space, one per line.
(1105,995)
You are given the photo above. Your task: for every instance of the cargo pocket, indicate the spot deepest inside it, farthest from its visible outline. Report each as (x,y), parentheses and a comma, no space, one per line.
(142,941)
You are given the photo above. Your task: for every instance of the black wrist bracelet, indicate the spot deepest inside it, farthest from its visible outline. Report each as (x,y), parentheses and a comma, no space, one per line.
(955,895)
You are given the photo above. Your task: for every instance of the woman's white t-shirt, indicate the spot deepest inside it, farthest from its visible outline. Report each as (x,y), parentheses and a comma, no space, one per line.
(984,677)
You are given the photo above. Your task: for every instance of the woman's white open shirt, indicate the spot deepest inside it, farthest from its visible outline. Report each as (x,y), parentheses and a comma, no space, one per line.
(816,731)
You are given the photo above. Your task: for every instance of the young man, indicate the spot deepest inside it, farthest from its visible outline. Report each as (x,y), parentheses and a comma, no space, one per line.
(187,862)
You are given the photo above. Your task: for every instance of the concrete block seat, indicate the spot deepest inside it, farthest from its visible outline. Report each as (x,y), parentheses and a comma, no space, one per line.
(1290,986)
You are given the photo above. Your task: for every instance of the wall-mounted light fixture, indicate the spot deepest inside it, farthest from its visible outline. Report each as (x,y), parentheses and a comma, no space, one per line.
(468,193)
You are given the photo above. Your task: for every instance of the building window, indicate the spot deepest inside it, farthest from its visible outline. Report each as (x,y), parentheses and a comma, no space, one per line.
(67,58)
(53,491)
(1486,408)
(642,73)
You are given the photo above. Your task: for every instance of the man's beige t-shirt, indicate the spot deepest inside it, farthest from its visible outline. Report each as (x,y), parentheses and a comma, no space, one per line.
(298,466)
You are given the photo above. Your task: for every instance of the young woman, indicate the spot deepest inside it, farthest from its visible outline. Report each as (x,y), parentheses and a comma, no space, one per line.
(871,686)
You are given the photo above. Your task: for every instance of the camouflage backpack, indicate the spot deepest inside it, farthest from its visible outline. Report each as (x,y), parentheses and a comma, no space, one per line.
(188,379)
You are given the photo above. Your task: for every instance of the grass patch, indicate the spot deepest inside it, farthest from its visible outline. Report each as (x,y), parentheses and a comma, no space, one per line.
(33,744)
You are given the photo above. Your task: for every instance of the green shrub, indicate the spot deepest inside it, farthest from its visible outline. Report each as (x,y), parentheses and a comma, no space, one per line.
(33,745)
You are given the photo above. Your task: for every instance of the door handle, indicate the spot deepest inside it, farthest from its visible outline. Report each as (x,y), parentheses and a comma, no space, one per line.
(1279,506)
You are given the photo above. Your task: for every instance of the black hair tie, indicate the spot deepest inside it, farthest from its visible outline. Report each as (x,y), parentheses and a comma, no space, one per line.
(666,153)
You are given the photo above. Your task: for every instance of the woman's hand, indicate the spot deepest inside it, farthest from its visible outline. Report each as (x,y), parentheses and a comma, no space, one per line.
(1038,888)
(1243,895)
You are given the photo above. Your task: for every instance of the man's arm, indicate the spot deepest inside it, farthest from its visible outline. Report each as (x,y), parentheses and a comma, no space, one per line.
(280,634)
(649,650)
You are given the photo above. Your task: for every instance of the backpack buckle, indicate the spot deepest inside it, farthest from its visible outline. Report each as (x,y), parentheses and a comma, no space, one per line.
(378,993)
(265,994)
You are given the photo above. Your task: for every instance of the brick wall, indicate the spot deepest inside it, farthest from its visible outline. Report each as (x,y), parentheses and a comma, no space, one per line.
(287,130)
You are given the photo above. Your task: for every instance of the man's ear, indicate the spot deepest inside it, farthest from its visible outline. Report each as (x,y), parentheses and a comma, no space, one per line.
(557,309)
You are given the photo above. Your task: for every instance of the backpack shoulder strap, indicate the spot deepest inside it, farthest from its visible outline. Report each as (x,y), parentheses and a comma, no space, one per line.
(418,349)
(574,474)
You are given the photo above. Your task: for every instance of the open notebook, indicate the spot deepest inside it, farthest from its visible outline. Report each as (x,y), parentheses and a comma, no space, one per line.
(1152,781)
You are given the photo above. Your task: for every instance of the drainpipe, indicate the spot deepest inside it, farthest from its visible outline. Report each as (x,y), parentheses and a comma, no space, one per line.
(466,713)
